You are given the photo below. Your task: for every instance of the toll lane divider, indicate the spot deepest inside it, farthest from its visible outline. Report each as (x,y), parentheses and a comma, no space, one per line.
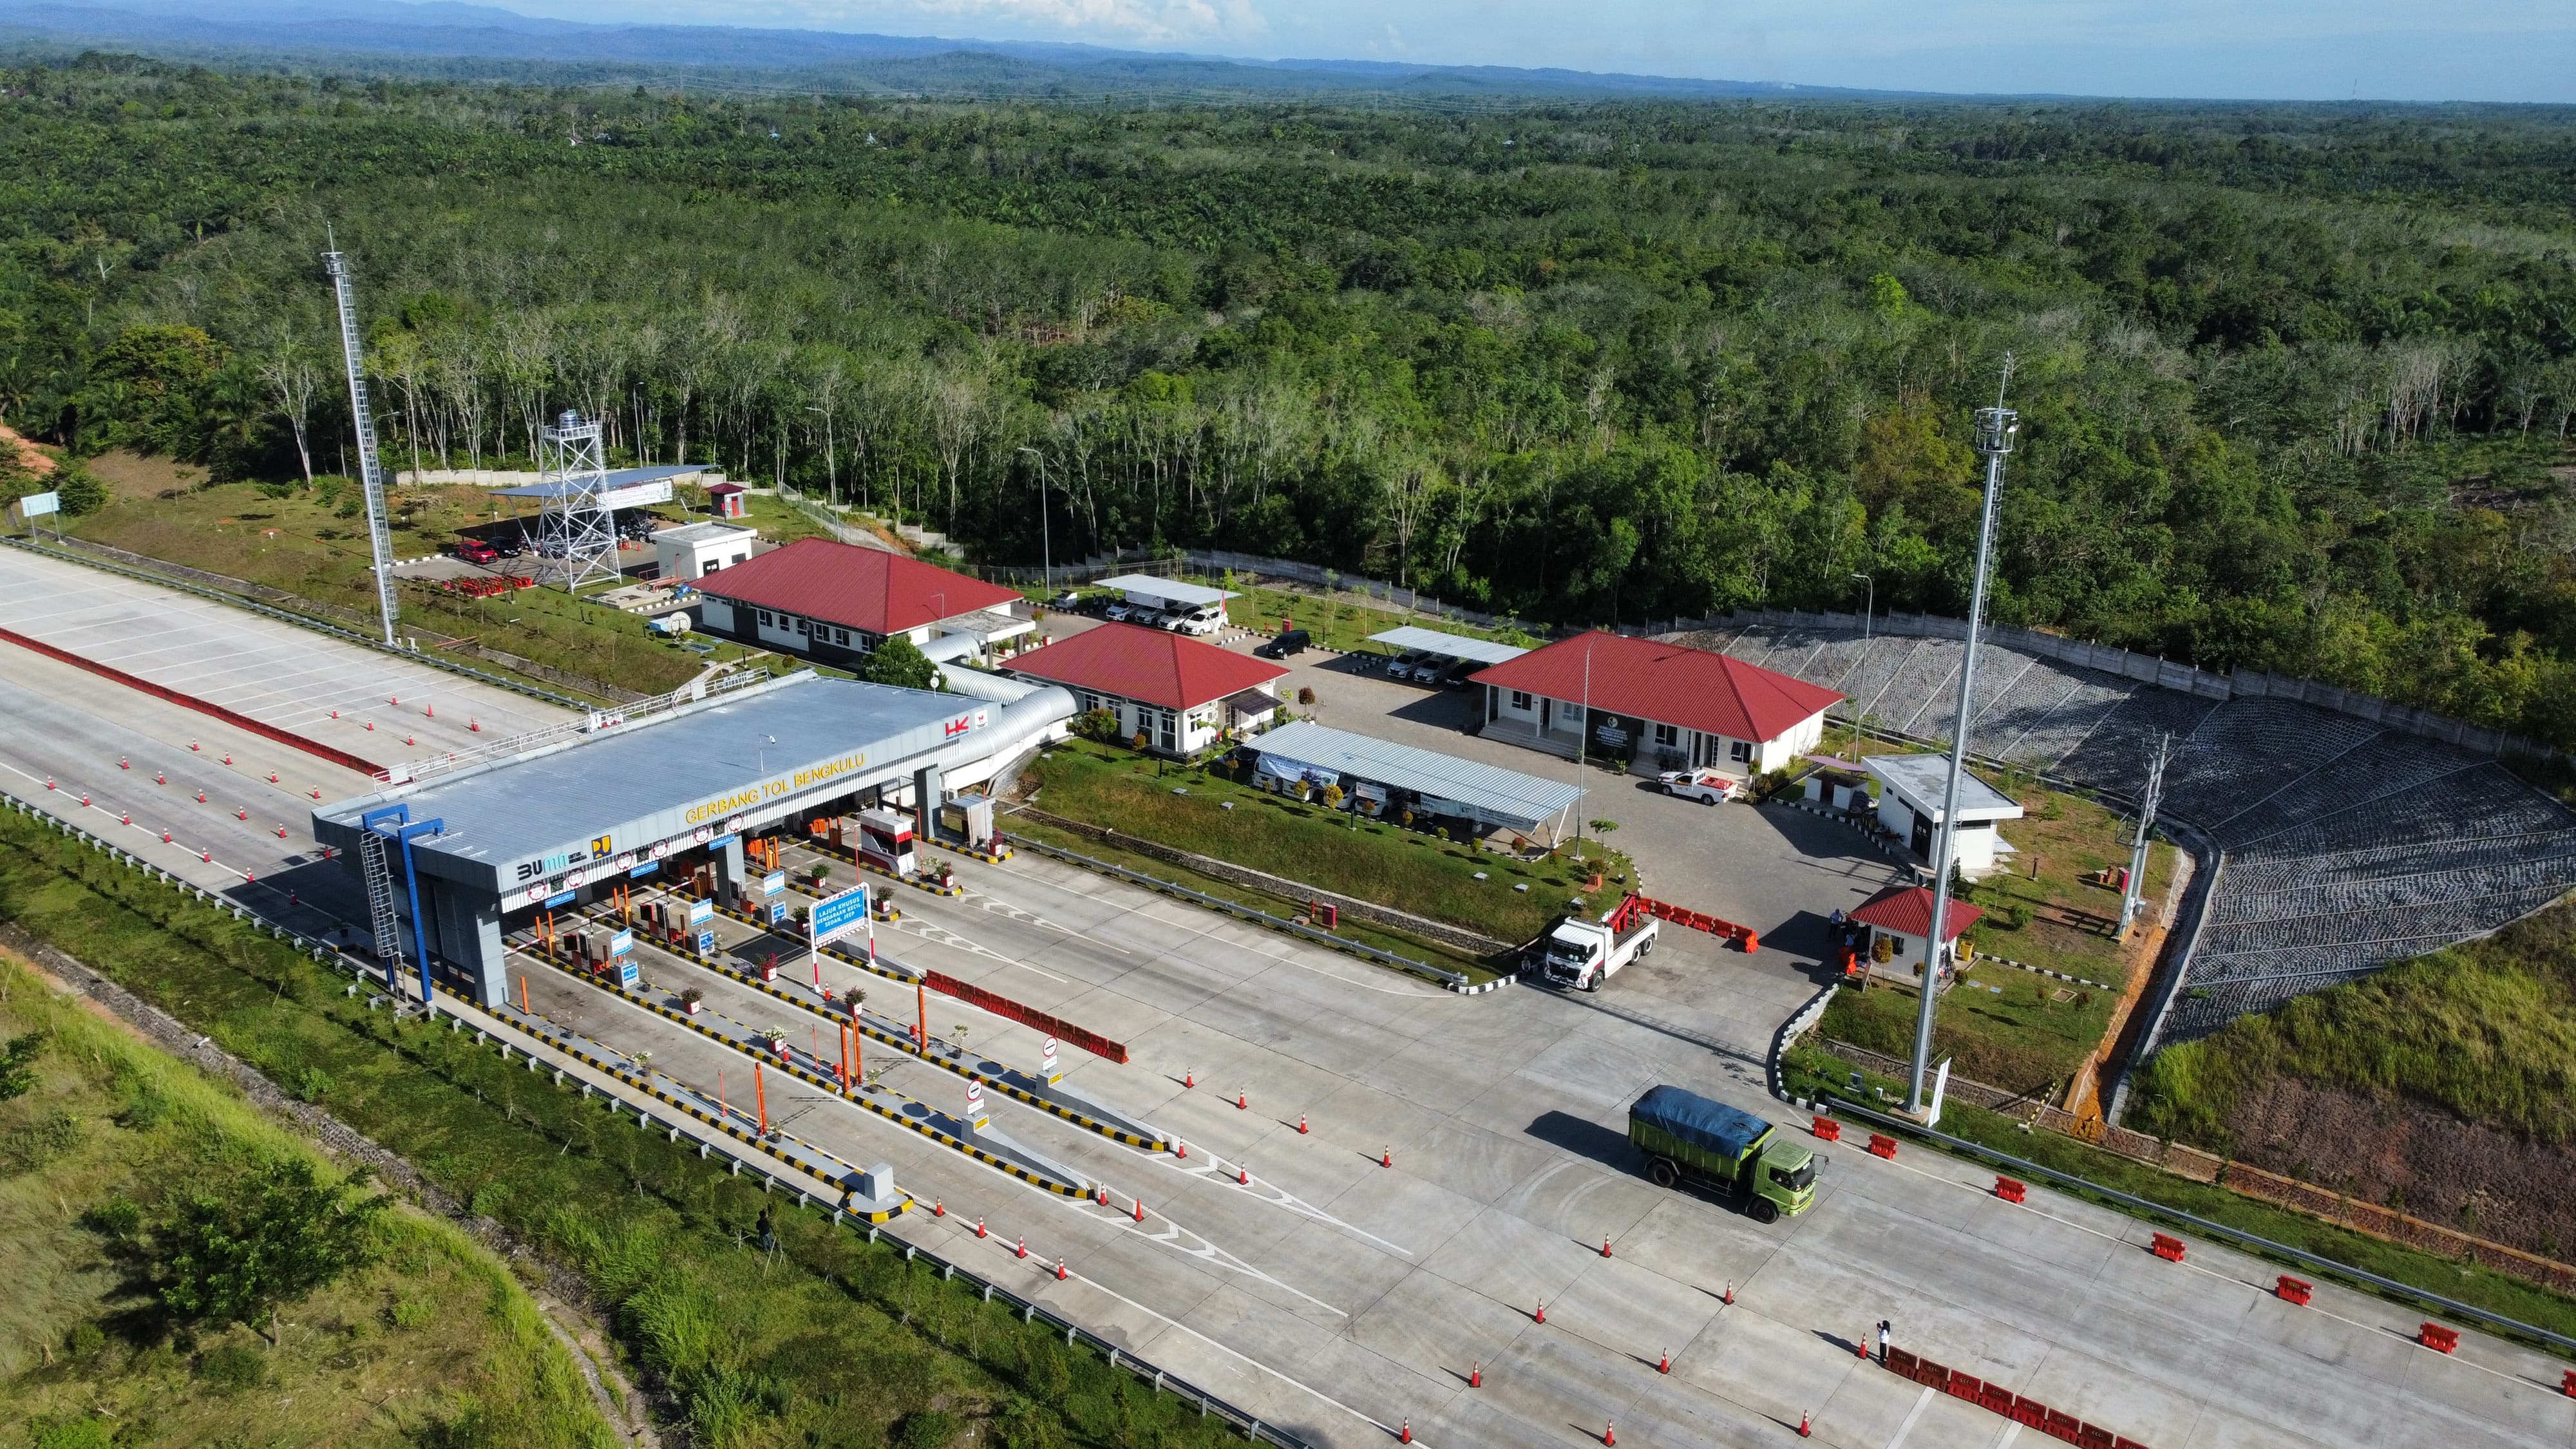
(235,718)
(2030,1413)
(903,1041)
(1254,1427)
(946,985)
(1454,980)
(863,1097)
(570,1047)
(2253,1243)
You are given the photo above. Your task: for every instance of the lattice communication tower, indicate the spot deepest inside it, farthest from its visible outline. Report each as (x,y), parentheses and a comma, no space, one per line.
(576,535)
(371,471)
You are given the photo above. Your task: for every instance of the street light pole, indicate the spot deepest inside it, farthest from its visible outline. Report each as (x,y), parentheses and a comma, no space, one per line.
(1046,545)
(1995,428)
(1868,611)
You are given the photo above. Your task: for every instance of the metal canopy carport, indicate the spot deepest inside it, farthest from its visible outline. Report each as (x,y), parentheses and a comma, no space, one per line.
(1446,784)
(1141,587)
(1448,646)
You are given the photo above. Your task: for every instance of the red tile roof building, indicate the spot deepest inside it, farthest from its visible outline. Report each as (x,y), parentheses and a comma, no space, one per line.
(1907,911)
(836,602)
(1178,692)
(1664,706)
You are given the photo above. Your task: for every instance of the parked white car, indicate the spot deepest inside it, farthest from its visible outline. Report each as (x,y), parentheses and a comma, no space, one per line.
(1708,787)
(1118,612)
(1401,666)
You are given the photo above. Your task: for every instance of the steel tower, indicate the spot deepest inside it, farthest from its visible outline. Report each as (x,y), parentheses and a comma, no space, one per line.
(576,535)
(371,471)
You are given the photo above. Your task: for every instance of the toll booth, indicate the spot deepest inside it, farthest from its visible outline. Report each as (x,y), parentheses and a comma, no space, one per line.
(885,841)
(967,819)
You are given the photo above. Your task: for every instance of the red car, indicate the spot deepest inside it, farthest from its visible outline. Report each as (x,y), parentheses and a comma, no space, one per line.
(475,550)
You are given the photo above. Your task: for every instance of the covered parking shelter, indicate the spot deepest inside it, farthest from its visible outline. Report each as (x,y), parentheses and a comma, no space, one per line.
(1484,653)
(472,853)
(1384,778)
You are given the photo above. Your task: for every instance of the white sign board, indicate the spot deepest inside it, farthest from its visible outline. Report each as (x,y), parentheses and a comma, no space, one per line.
(773,883)
(1047,1064)
(976,1116)
(36,505)
(1940,1085)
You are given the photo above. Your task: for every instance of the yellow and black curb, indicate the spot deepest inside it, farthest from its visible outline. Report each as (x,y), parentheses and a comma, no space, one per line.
(817,1079)
(708,1119)
(906,1044)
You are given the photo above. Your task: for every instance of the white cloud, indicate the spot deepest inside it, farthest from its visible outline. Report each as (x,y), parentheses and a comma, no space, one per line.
(1112,22)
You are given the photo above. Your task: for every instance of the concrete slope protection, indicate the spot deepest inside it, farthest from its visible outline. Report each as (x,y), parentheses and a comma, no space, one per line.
(2347,846)
(1461,1163)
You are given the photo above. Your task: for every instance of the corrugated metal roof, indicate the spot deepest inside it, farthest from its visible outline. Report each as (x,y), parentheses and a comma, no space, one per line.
(1907,911)
(1170,591)
(641,782)
(1671,684)
(1921,780)
(856,588)
(1507,797)
(1448,646)
(1151,666)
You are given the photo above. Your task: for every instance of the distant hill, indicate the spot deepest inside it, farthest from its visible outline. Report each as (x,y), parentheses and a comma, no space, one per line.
(445,38)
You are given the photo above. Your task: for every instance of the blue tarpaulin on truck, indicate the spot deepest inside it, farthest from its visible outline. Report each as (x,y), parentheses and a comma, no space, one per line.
(1698,1121)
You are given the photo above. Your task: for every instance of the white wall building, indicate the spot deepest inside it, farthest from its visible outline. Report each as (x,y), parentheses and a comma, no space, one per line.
(1909,807)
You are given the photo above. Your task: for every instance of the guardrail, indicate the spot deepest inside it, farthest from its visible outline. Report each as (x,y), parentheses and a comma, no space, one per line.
(1455,980)
(1163,1381)
(2235,1237)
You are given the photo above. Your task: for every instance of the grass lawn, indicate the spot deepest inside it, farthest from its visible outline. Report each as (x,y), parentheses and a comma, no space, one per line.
(433,1342)
(313,543)
(1808,1071)
(2024,1039)
(1407,869)
(829,1340)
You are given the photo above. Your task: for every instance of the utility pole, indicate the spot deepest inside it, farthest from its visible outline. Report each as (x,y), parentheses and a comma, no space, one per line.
(2131,893)
(1868,611)
(371,472)
(1995,428)
(1046,544)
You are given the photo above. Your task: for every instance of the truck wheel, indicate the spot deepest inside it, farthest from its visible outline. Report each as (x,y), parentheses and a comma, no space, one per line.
(1592,985)
(1764,1210)
(1662,1173)
(1646,947)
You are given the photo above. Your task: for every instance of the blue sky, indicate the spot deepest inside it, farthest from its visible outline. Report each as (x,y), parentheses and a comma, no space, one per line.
(2502,50)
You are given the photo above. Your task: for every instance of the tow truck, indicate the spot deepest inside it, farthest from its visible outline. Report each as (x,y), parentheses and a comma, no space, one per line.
(1581,953)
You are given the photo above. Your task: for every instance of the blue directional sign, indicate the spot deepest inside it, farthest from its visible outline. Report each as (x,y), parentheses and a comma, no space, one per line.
(773,883)
(701,912)
(621,943)
(706,943)
(838,916)
(562,900)
(627,975)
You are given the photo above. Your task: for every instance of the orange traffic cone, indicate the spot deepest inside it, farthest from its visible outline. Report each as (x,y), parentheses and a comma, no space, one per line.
(1605,1245)
(1541,1315)
(1140,1209)
(1024,1247)
(1862,1347)
(1190,1078)
(1405,1436)
(1241,1102)
(1180,1149)
(473,725)
(1386,1157)
(1610,1435)
(1806,1425)
(1476,1377)
(1059,1270)
(1728,1297)
(1664,1365)
(1301,1124)
(938,1209)
(1243,1174)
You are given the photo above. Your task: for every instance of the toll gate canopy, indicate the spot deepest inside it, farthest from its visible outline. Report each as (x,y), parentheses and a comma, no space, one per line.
(533,830)
(1436,784)
(1447,646)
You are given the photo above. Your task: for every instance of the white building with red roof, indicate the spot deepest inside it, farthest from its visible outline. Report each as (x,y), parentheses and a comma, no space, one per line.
(1902,917)
(1659,706)
(1182,695)
(836,602)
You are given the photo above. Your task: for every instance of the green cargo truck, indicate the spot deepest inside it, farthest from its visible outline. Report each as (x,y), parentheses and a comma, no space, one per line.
(1689,1139)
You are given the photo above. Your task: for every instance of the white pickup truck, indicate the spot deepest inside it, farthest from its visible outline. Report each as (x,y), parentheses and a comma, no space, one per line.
(1708,787)
(1582,953)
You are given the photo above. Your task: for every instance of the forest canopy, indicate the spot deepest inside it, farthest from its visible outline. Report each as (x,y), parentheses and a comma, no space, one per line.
(2296,382)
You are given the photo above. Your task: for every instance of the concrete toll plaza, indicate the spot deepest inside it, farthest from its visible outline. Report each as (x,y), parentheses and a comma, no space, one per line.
(487,845)
(1367,1239)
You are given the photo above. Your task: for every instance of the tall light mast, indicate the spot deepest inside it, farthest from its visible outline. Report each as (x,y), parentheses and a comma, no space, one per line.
(2133,891)
(1995,428)
(371,471)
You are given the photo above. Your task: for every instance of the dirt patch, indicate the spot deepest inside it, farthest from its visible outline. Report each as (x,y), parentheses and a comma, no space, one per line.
(30,457)
(131,475)
(2404,1154)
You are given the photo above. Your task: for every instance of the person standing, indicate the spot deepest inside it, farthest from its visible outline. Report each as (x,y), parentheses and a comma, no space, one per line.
(1883,1329)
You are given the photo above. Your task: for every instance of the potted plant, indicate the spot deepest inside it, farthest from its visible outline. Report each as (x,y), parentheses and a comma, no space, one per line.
(691,999)
(769,968)
(858,998)
(777,1039)
(822,875)
(947,876)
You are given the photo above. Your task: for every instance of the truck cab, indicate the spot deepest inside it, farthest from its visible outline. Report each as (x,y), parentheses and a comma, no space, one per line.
(1581,953)
(1689,1139)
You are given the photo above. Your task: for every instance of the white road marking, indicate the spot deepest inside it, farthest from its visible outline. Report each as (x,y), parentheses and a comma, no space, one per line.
(1272,1193)
(1920,1404)
(941,936)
